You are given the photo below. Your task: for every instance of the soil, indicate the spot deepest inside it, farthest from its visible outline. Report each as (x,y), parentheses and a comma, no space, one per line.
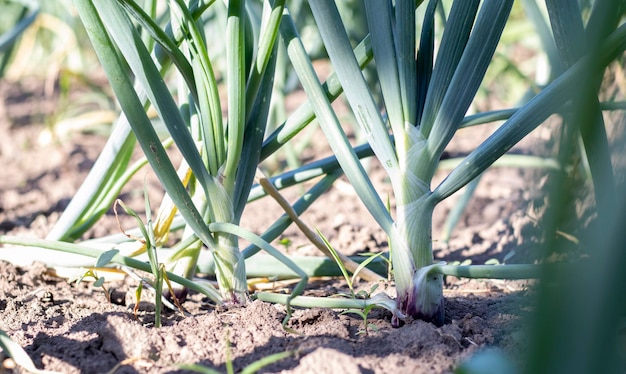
(72,328)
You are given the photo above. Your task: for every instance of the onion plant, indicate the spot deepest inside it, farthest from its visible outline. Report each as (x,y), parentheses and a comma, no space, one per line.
(425,99)
(591,290)
(579,309)
(221,156)
(214,165)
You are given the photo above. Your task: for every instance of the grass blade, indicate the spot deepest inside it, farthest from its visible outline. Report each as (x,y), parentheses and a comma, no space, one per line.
(265,361)
(299,207)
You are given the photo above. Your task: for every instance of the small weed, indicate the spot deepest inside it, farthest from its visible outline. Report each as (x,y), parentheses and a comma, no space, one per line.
(101,261)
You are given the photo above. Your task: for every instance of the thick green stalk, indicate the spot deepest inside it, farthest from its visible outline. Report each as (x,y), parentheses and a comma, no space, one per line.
(423,296)
(405,237)
(229,264)
(347,70)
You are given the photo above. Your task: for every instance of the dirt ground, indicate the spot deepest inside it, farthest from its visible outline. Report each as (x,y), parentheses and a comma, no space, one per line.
(73,329)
